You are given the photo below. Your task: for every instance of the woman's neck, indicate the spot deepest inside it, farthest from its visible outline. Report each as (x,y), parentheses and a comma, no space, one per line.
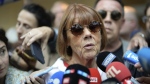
(87,63)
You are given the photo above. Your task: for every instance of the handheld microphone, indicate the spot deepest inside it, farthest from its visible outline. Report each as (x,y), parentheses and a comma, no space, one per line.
(95,77)
(56,78)
(76,74)
(45,71)
(130,57)
(120,72)
(104,59)
(110,81)
(144,58)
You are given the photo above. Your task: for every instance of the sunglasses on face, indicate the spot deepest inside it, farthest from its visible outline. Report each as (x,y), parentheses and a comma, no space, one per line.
(115,15)
(77,29)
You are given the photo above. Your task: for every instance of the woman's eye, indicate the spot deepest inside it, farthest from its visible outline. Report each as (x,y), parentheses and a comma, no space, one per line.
(2,52)
(26,26)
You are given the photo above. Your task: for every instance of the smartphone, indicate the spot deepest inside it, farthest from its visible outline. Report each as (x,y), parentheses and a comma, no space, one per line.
(37,52)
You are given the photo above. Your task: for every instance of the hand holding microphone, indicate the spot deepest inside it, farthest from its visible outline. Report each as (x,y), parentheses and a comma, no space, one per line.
(106,58)
(142,56)
(145,80)
(139,67)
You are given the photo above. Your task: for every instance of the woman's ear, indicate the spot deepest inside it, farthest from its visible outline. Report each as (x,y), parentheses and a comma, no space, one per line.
(69,51)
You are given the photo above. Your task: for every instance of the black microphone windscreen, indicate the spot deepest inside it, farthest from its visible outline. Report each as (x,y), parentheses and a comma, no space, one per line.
(76,74)
(105,58)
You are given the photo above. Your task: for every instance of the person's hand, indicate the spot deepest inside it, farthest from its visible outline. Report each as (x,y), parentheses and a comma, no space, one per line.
(138,66)
(143,80)
(136,41)
(33,79)
(42,33)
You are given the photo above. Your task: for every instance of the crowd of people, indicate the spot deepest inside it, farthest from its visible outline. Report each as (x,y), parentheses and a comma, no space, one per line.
(72,34)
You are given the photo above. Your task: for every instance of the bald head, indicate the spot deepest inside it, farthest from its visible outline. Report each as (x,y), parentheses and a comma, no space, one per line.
(130,24)
(130,13)
(58,10)
(59,5)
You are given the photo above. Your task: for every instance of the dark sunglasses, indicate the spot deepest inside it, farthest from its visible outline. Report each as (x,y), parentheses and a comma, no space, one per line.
(115,15)
(77,29)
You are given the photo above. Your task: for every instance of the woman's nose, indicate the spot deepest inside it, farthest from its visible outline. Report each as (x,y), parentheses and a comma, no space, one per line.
(87,32)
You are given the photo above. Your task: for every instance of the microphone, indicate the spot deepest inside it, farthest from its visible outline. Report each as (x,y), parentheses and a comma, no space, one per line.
(131,57)
(110,81)
(95,76)
(56,78)
(76,74)
(120,72)
(144,58)
(45,71)
(104,59)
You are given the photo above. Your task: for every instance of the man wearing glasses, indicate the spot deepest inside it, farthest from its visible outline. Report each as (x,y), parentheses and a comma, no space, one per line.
(112,13)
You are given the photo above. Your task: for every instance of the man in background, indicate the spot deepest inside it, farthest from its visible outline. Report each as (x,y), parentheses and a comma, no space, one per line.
(58,10)
(130,26)
(112,13)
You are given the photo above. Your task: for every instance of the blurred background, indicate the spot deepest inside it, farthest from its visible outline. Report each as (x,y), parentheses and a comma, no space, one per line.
(9,9)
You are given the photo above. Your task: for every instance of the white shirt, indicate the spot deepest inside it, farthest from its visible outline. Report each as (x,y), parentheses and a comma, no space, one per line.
(59,66)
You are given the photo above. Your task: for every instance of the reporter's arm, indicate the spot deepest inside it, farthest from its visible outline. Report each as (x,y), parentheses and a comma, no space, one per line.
(137,41)
(42,33)
(138,66)
(33,78)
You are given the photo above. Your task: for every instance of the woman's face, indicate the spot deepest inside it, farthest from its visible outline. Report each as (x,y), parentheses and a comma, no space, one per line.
(4,60)
(25,22)
(148,21)
(86,45)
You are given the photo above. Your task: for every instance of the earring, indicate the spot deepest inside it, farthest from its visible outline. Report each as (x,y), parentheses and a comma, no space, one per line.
(69,51)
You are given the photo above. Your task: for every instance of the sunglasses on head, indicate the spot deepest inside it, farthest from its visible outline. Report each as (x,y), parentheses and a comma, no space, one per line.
(115,15)
(77,29)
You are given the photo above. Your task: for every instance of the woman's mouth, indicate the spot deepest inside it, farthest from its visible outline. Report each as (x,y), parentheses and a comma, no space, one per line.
(89,46)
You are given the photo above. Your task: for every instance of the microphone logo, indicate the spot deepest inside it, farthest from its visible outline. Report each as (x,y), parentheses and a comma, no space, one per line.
(93,79)
(54,81)
(112,72)
(131,55)
(108,59)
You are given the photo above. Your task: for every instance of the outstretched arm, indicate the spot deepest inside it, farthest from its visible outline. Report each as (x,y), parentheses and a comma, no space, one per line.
(137,41)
